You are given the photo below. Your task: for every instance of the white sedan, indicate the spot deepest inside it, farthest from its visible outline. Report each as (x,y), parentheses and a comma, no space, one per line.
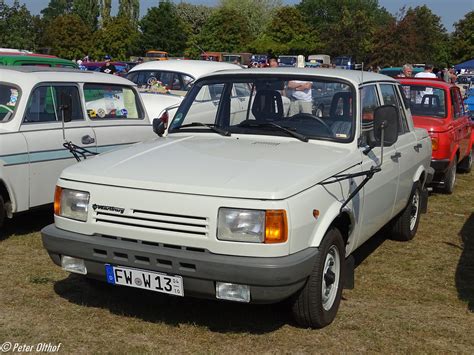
(163,84)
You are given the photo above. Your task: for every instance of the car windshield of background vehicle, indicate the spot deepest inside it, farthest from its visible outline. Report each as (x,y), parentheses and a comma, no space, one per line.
(313,108)
(9,96)
(426,100)
(111,102)
(161,82)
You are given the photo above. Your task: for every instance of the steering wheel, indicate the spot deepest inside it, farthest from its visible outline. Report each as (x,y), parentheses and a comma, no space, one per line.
(312,117)
(8,108)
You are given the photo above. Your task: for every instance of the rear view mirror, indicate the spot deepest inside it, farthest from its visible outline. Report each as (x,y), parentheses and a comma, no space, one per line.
(65,107)
(386,125)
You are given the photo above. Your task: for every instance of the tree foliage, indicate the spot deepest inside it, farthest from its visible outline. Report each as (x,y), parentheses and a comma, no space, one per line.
(129,9)
(118,38)
(163,29)
(226,31)
(17,27)
(193,16)
(56,8)
(67,36)
(287,33)
(88,11)
(462,41)
(105,9)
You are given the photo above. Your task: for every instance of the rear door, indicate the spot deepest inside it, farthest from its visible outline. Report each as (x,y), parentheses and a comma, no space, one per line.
(116,115)
(42,129)
(461,122)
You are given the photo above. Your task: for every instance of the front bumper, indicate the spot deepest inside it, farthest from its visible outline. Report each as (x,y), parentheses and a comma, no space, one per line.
(270,279)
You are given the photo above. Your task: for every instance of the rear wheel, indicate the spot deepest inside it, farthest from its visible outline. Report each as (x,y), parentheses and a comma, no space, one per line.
(406,223)
(466,164)
(450,177)
(317,302)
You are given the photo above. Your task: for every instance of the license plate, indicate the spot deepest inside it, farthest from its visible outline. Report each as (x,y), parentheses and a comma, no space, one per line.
(153,281)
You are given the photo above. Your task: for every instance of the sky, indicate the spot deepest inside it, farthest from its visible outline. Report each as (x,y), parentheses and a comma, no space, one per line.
(450,11)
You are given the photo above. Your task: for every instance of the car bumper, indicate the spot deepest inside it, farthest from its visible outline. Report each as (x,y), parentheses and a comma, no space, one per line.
(440,166)
(270,279)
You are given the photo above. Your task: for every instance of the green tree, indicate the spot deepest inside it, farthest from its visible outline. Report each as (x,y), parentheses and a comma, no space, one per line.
(17,27)
(88,11)
(117,38)
(226,31)
(257,12)
(67,36)
(287,33)
(462,40)
(56,8)
(163,29)
(194,16)
(105,9)
(129,9)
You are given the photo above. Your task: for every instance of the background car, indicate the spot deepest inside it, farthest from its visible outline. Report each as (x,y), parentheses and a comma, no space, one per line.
(163,84)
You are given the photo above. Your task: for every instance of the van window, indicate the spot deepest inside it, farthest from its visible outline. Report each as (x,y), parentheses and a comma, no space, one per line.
(44,101)
(112,102)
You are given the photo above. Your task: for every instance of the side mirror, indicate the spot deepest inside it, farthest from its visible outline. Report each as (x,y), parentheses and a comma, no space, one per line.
(386,125)
(65,107)
(160,124)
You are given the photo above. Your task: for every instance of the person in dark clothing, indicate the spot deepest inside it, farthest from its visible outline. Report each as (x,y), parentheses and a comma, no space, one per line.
(108,67)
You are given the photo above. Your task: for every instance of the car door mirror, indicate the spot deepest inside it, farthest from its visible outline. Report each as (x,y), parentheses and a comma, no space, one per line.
(386,125)
(65,107)
(159,127)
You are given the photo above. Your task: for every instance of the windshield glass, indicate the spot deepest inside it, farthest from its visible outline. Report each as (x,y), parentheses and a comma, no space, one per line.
(288,60)
(9,96)
(425,100)
(314,108)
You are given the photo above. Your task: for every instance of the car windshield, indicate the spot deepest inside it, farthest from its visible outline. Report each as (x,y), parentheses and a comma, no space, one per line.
(8,101)
(288,60)
(309,108)
(426,100)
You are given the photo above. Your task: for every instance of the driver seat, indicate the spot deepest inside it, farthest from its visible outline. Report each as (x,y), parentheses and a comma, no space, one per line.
(267,105)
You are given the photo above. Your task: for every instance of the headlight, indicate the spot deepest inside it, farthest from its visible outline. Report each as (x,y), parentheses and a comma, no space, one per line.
(71,203)
(252,226)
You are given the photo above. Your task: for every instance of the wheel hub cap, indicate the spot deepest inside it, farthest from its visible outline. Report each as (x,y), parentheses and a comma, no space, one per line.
(331,276)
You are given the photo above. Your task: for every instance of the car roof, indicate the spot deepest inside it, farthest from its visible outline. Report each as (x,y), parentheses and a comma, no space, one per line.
(356,76)
(194,68)
(35,74)
(426,81)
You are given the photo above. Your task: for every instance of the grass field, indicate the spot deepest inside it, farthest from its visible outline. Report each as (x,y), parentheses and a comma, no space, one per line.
(415,297)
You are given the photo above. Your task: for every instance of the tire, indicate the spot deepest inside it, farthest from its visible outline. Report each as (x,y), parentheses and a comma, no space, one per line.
(450,177)
(406,223)
(465,165)
(2,212)
(316,304)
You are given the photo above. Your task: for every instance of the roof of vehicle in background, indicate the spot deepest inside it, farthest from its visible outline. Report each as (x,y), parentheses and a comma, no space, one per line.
(194,68)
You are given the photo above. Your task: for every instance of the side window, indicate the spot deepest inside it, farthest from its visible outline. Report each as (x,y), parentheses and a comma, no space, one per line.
(401,103)
(111,102)
(44,101)
(389,96)
(369,102)
(455,105)
(187,81)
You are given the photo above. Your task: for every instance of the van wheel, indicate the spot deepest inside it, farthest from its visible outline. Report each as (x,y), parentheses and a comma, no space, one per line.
(466,164)
(316,304)
(2,211)
(406,223)
(450,177)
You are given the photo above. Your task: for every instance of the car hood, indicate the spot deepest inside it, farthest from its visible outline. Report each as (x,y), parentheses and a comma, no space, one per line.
(156,103)
(431,124)
(245,167)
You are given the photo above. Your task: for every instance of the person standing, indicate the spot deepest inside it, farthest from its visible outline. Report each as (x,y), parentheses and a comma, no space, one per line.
(427,73)
(407,71)
(108,67)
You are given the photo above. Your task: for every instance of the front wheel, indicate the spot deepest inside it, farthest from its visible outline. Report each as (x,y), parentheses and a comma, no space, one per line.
(450,177)
(406,223)
(316,304)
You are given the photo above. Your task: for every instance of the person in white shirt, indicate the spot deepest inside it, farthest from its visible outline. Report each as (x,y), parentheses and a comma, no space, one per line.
(427,73)
(299,92)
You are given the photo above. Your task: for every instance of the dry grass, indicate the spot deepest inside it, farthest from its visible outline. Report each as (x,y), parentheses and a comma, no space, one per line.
(415,297)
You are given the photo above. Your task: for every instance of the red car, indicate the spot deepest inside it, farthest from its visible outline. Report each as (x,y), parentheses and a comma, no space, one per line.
(438,107)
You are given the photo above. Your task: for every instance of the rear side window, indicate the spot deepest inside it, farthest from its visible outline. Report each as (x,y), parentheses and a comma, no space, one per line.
(112,102)
(9,96)
(44,101)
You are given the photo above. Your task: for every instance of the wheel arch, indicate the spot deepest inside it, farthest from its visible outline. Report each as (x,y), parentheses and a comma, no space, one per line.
(7,194)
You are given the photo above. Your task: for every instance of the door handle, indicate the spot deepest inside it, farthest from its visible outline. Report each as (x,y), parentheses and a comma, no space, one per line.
(418,146)
(396,156)
(87,139)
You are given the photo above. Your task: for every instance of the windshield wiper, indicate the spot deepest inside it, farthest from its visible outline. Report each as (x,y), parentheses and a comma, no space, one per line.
(291,132)
(212,127)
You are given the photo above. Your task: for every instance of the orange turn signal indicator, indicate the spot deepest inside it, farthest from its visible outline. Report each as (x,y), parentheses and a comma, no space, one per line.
(434,143)
(57,200)
(276,226)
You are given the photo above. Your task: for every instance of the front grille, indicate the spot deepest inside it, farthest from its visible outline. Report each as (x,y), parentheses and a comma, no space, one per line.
(166,222)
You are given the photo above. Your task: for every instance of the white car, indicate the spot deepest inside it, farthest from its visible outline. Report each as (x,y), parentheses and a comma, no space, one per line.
(244,200)
(163,84)
(106,113)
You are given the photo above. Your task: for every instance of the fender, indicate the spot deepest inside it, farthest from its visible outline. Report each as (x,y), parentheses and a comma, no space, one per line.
(417,175)
(326,220)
